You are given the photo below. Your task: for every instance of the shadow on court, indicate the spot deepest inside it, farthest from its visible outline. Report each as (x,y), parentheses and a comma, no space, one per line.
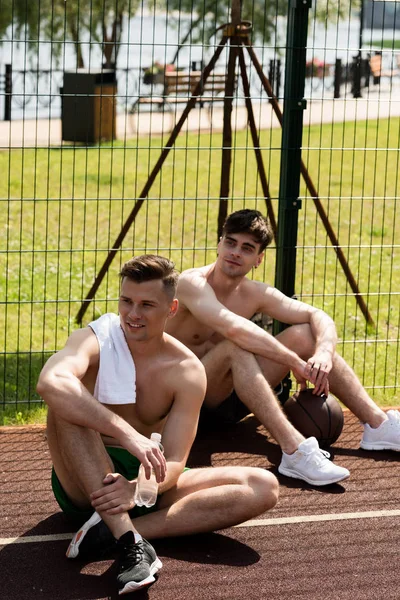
(339,542)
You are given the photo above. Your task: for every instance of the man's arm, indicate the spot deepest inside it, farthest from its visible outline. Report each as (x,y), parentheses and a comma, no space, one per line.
(199,297)
(291,311)
(180,429)
(188,382)
(61,388)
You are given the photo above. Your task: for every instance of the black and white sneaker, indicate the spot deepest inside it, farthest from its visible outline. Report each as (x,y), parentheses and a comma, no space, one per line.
(94,539)
(138,564)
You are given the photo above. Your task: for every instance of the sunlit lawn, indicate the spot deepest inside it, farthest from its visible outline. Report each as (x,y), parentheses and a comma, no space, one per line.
(62,210)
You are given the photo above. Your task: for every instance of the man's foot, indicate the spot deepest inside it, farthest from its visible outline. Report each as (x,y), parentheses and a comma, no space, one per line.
(93,539)
(384,437)
(138,564)
(311,464)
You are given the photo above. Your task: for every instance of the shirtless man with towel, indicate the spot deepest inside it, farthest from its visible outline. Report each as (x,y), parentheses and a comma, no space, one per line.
(112,385)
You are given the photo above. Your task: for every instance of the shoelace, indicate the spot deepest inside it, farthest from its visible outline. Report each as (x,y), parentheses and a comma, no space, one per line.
(133,555)
(318,456)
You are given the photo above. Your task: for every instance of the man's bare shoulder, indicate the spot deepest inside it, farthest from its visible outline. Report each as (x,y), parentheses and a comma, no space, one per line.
(80,352)
(270,300)
(259,286)
(182,358)
(82,344)
(256,287)
(196,273)
(80,339)
(193,283)
(263,295)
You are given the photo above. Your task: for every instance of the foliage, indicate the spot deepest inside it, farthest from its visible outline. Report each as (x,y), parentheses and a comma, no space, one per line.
(207,15)
(99,21)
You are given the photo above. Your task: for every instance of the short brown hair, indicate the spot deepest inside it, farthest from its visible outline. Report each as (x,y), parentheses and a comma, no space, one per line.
(249,221)
(149,267)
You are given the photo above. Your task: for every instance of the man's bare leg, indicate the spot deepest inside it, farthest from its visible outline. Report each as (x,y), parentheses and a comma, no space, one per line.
(81,463)
(228,366)
(301,459)
(210,499)
(343,382)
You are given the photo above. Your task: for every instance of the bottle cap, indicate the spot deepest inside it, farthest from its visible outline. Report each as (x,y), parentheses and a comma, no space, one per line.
(156,437)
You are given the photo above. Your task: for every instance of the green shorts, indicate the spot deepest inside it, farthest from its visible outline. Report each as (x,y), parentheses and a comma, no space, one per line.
(124,463)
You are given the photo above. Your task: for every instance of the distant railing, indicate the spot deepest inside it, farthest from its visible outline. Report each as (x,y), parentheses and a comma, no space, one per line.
(6,90)
(40,89)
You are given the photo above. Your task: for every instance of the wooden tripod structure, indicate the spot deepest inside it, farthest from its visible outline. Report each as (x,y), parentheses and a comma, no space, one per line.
(237,34)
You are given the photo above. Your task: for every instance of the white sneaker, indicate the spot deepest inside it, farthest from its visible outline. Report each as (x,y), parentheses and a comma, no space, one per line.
(384,437)
(311,464)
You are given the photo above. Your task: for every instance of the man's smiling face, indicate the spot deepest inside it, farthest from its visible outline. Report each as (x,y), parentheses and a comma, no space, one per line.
(238,253)
(144,308)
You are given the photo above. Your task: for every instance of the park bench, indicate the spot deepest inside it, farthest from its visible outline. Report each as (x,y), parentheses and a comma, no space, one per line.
(375,65)
(176,87)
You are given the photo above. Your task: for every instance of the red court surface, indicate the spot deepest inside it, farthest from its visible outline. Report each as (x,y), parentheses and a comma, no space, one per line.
(340,542)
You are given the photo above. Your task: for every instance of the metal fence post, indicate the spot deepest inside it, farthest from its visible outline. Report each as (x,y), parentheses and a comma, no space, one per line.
(356,76)
(338,78)
(292,132)
(8,93)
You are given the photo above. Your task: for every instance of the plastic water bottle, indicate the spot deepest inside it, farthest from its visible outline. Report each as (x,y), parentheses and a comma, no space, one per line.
(147,489)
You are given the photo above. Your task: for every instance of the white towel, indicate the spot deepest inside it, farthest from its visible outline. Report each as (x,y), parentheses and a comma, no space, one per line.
(116,379)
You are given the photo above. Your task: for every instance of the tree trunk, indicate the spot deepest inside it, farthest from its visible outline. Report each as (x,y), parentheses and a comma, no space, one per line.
(185,38)
(111,43)
(75,38)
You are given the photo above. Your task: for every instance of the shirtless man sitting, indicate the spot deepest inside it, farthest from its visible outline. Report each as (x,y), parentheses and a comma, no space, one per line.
(100,420)
(216,303)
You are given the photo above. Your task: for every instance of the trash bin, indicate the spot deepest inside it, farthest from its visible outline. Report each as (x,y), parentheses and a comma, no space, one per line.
(88,106)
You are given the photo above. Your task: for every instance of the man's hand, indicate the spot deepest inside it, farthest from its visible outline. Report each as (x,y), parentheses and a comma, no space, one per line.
(116,496)
(300,373)
(318,368)
(147,451)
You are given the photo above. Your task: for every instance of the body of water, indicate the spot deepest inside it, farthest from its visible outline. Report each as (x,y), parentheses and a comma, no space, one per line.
(146,39)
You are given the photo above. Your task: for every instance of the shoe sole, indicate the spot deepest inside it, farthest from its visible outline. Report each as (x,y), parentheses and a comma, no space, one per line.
(296,475)
(73,548)
(379,446)
(133,586)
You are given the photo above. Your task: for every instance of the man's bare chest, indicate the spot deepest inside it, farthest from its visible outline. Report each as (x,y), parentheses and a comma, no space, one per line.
(154,397)
(243,305)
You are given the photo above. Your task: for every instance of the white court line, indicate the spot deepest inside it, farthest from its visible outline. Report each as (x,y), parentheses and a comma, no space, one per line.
(371,514)
(35,538)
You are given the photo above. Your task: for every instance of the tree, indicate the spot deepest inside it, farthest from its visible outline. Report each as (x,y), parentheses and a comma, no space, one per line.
(101,21)
(207,15)
(60,22)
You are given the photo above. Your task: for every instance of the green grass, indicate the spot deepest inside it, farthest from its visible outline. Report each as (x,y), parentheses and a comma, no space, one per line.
(23,415)
(62,210)
(380,43)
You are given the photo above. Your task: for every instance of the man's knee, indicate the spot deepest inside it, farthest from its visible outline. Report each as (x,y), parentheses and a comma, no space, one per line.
(233,352)
(62,434)
(265,488)
(298,338)
(260,488)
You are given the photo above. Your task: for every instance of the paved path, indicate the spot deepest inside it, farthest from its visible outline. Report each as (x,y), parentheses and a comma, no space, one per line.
(377,103)
(340,542)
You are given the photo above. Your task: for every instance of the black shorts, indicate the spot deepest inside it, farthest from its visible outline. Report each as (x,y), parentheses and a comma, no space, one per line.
(230,411)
